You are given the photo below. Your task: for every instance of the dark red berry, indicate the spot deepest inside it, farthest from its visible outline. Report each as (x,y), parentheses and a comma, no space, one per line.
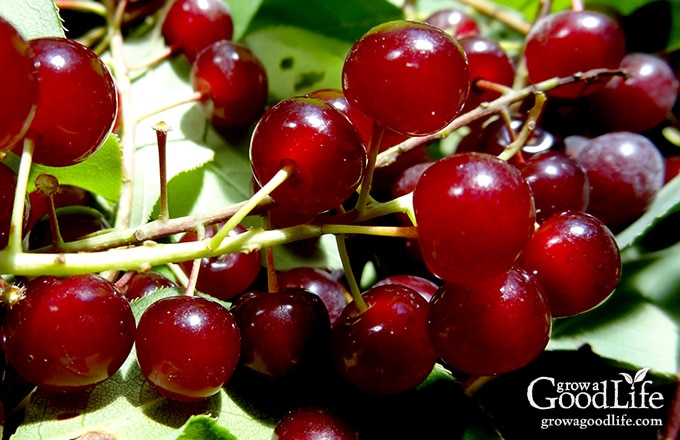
(313,424)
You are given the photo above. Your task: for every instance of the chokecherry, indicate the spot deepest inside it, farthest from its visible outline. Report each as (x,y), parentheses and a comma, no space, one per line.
(625,171)
(492,326)
(640,101)
(321,146)
(224,276)
(192,25)
(18,85)
(384,349)
(569,42)
(576,260)
(319,281)
(187,347)
(232,82)
(8,184)
(558,182)
(454,21)
(141,284)
(408,76)
(313,423)
(68,334)
(475,212)
(77,102)
(283,333)
(425,287)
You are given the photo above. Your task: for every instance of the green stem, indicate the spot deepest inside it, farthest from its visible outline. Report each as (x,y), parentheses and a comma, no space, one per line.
(162,129)
(354,289)
(284,173)
(527,128)
(155,254)
(17,219)
(378,131)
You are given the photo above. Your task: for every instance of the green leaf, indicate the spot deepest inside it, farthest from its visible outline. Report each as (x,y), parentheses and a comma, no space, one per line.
(298,61)
(100,173)
(338,19)
(127,407)
(242,12)
(204,428)
(33,18)
(529,8)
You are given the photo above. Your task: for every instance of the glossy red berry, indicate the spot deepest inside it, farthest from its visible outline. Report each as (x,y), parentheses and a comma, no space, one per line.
(576,260)
(233,84)
(408,76)
(475,213)
(187,347)
(570,42)
(141,284)
(68,334)
(324,149)
(493,326)
(455,22)
(384,349)
(8,184)
(18,85)
(640,101)
(192,25)
(77,102)
(224,276)
(313,424)
(283,332)
(321,282)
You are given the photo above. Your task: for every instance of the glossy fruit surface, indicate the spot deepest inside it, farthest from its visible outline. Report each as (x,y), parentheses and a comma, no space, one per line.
(475,213)
(426,288)
(141,284)
(192,25)
(224,276)
(558,182)
(313,424)
(384,349)
(410,77)
(74,222)
(625,171)
(325,150)
(568,42)
(77,102)
(319,281)
(640,101)
(490,327)
(233,84)
(488,61)
(18,85)
(68,334)
(283,332)
(8,184)
(187,347)
(454,21)
(576,260)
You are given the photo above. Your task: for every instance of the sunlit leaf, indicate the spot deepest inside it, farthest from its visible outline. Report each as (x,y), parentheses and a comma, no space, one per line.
(33,18)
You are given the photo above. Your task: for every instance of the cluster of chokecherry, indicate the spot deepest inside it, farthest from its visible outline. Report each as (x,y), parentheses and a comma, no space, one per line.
(514,228)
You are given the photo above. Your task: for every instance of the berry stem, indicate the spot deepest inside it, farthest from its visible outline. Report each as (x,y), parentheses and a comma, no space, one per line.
(492,10)
(83,6)
(162,129)
(373,147)
(527,128)
(352,284)
(195,267)
(284,173)
(195,97)
(475,383)
(48,186)
(577,5)
(17,220)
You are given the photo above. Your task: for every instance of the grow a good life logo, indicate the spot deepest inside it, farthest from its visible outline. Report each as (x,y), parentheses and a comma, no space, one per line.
(626,402)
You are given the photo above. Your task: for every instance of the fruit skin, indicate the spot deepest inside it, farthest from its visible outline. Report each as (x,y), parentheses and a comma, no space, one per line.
(625,171)
(384,349)
(325,149)
(568,42)
(283,333)
(224,276)
(490,327)
(192,25)
(576,260)
(640,101)
(77,102)
(187,347)
(475,213)
(410,77)
(68,334)
(313,424)
(18,85)
(233,83)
